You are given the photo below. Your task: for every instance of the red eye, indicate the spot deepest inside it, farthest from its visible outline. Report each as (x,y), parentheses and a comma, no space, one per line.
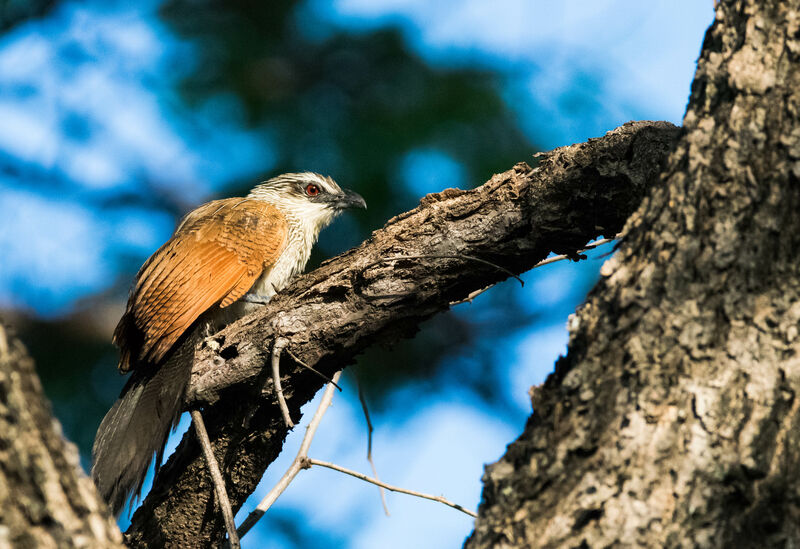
(312,190)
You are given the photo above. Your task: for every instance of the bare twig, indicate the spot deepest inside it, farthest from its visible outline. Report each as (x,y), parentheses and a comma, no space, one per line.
(445,256)
(302,461)
(216,478)
(547,261)
(369,446)
(307,367)
(586,248)
(473,295)
(277,348)
(296,465)
(440,499)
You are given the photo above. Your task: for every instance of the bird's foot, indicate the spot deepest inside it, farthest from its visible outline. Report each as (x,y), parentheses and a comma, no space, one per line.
(256,299)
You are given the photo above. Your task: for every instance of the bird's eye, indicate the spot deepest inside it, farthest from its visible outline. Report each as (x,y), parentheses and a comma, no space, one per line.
(312,190)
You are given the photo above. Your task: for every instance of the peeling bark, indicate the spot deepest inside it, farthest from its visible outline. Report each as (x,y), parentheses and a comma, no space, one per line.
(45,498)
(673,420)
(360,298)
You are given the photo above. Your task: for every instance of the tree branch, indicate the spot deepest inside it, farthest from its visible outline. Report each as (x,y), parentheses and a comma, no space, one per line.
(575,194)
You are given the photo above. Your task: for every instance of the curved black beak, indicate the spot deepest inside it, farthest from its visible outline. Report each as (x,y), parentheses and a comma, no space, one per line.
(348,199)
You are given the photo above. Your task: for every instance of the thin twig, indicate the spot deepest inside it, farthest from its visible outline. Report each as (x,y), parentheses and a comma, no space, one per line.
(440,499)
(296,465)
(473,295)
(307,367)
(216,478)
(445,256)
(277,348)
(369,446)
(547,261)
(586,248)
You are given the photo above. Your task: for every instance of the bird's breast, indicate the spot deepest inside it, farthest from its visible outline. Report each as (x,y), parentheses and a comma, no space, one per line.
(290,262)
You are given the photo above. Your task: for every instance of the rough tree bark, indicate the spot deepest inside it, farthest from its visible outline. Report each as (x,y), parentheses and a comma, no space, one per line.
(45,498)
(673,420)
(576,194)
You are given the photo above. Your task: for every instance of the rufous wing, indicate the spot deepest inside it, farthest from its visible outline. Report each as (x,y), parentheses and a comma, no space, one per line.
(216,254)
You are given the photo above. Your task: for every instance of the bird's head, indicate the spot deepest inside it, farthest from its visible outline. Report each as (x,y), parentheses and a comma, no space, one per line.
(309,197)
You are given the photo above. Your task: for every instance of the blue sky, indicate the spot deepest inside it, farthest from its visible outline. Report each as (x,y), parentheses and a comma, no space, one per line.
(578,68)
(573,70)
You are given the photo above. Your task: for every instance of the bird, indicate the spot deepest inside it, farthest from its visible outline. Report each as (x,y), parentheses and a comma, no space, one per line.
(225,259)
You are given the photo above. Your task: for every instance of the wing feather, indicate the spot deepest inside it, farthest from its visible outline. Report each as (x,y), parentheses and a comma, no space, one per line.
(215,256)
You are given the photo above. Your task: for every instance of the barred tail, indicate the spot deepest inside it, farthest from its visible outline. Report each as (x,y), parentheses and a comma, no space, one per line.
(137,426)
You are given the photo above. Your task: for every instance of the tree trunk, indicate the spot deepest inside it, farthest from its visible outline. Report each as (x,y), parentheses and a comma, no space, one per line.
(673,420)
(45,498)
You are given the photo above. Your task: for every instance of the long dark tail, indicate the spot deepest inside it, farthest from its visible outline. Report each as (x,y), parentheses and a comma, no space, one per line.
(137,426)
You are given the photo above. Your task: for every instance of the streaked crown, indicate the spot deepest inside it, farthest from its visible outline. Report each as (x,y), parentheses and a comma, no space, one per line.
(307,197)
(296,184)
